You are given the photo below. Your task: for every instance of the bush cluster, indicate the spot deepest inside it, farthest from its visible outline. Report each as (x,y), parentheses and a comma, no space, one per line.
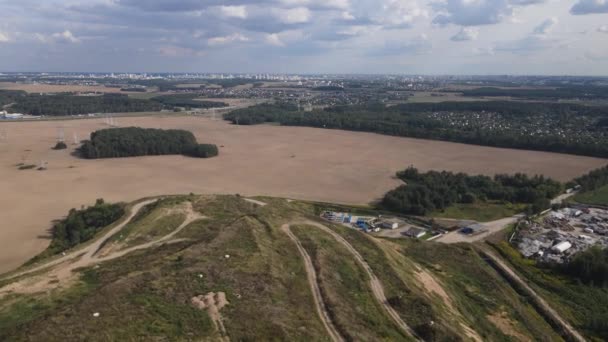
(430,191)
(136,141)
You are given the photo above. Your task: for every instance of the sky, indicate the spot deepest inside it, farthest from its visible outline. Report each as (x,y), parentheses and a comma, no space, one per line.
(539,37)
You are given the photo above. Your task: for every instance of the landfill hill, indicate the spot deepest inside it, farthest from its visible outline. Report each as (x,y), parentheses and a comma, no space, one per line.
(231,268)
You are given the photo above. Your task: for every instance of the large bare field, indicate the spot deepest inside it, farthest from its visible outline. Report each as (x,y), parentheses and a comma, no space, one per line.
(53,88)
(296,162)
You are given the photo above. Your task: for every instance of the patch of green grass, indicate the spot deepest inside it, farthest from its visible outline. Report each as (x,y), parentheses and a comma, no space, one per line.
(481,211)
(582,305)
(17,311)
(413,307)
(598,196)
(477,290)
(345,289)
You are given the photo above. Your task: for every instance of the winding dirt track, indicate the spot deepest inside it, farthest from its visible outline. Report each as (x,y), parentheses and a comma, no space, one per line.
(375,284)
(83,257)
(88,251)
(311,274)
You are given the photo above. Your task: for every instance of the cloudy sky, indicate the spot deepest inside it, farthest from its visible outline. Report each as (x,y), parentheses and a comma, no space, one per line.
(307,36)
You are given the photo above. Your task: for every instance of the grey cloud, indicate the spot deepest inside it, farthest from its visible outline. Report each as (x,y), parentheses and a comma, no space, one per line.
(416,46)
(475,13)
(545,26)
(465,34)
(589,7)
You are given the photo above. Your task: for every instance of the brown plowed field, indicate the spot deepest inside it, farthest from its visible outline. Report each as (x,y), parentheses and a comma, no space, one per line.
(294,162)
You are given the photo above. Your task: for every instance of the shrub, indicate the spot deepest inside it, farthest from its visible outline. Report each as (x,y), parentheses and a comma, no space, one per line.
(202,151)
(60,146)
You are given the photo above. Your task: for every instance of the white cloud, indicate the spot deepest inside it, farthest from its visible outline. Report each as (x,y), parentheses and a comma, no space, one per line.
(477,12)
(317,4)
(65,37)
(472,12)
(597,55)
(298,15)
(589,7)
(274,39)
(465,34)
(603,29)
(234,11)
(546,26)
(4,37)
(530,44)
(222,40)
(398,13)
(59,37)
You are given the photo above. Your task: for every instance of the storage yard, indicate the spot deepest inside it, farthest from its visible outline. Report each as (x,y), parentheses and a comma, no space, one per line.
(560,235)
(385,226)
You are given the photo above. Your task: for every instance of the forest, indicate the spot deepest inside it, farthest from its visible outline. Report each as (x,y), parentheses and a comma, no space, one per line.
(69,104)
(590,267)
(554,127)
(435,191)
(81,225)
(571,92)
(10,96)
(593,180)
(136,141)
(186,100)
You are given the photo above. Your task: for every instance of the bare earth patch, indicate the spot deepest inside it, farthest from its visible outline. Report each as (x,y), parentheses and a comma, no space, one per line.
(431,285)
(291,162)
(213,303)
(52,88)
(507,326)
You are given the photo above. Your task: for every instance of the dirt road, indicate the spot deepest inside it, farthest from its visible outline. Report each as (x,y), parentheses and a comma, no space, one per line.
(88,250)
(569,330)
(61,270)
(375,284)
(490,228)
(311,274)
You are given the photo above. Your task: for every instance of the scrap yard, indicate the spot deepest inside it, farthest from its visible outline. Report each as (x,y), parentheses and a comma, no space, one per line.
(561,234)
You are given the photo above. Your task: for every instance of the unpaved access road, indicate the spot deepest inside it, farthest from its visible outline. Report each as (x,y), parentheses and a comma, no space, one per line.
(490,228)
(569,330)
(311,274)
(61,270)
(375,284)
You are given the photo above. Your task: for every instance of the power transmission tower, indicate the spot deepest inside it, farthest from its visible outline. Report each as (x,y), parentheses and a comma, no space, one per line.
(60,135)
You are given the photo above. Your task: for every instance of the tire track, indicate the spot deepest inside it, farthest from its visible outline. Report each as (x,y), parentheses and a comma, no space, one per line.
(375,284)
(311,274)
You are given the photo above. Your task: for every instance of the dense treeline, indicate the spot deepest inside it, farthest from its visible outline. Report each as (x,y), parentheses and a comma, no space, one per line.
(590,266)
(511,108)
(81,225)
(431,191)
(593,180)
(136,141)
(260,114)
(186,100)
(581,92)
(328,88)
(10,96)
(416,120)
(68,104)
(201,151)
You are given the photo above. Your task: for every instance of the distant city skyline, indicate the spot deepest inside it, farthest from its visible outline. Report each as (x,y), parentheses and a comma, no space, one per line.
(415,37)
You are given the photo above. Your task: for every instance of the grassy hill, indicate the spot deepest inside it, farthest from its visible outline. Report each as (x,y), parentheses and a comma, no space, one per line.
(164,272)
